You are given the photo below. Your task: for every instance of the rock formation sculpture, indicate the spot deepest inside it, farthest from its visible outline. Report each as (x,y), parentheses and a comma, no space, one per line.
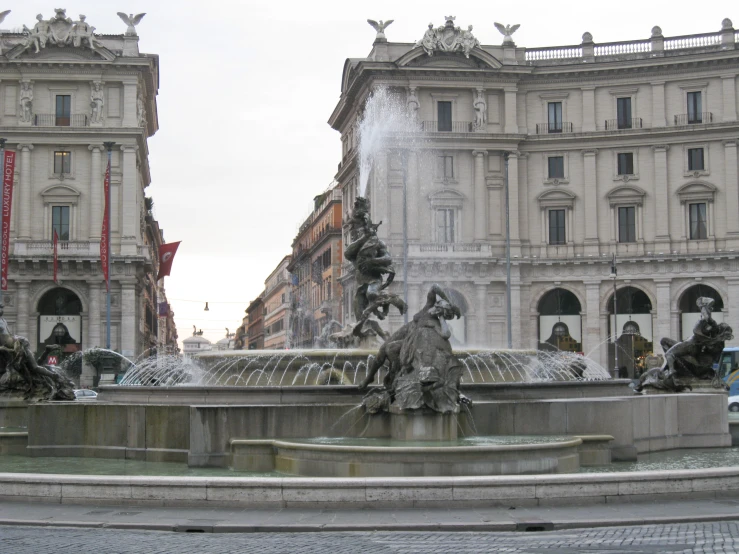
(691,359)
(422,369)
(372,263)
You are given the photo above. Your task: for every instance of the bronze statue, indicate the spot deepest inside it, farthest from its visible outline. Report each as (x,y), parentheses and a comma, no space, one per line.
(372,262)
(20,372)
(692,358)
(423,370)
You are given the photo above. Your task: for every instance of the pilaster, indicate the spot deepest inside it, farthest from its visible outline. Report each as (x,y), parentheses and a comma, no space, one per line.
(413,194)
(590,178)
(663,309)
(95,320)
(128,319)
(658,104)
(588,109)
(96,191)
(728,85)
(511,126)
(24,193)
(513,203)
(661,198)
(130,117)
(592,334)
(23,310)
(130,211)
(480,212)
(481,337)
(732,190)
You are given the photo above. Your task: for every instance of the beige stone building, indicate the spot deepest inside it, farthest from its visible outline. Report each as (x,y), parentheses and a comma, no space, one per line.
(276,301)
(63,92)
(626,148)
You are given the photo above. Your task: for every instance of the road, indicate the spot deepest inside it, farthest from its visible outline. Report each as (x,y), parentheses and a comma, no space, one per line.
(674,538)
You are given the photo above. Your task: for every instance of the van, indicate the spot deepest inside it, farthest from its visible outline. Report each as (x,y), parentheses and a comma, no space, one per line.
(728,369)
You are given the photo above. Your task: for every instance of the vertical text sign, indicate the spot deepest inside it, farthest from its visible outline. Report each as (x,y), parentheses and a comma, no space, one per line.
(8,173)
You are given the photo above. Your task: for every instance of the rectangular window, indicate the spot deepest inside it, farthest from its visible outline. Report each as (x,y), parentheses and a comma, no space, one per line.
(695,159)
(695,107)
(445,225)
(625,163)
(446,167)
(623,108)
(556,167)
(627,224)
(555,117)
(60,222)
(698,223)
(62,162)
(556,226)
(444,112)
(63,109)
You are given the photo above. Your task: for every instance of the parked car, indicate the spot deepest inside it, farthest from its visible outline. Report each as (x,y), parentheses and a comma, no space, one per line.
(734,403)
(85,394)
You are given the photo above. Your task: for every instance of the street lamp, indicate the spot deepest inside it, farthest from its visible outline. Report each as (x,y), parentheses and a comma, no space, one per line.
(613,275)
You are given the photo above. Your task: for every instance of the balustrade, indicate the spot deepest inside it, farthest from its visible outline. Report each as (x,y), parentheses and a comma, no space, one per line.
(694,119)
(52,120)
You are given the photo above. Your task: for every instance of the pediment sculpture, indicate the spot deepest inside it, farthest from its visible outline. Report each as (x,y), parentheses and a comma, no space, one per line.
(59,31)
(448,38)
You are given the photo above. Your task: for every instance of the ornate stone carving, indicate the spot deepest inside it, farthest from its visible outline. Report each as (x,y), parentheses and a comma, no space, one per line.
(131,20)
(140,110)
(26,101)
(60,31)
(380,28)
(481,110)
(448,38)
(97,101)
(507,31)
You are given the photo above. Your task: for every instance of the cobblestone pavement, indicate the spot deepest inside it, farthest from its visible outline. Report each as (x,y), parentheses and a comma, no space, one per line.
(689,537)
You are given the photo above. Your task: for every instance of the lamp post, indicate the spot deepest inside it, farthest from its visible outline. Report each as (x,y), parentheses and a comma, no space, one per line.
(405,233)
(509,332)
(613,275)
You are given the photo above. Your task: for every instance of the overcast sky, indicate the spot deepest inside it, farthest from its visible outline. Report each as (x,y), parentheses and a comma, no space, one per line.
(246,89)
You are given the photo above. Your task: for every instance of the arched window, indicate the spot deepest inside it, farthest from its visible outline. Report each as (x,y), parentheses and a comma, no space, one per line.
(629,331)
(689,312)
(560,324)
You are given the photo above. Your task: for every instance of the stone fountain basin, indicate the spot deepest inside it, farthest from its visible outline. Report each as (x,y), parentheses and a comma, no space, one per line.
(476,456)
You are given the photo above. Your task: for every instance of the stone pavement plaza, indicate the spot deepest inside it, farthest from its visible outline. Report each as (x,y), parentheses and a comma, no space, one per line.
(669,538)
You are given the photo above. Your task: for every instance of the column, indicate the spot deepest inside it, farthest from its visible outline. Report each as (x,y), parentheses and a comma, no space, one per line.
(658,104)
(95,321)
(96,192)
(130,212)
(481,338)
(480,215)
(513,201)
(731,180)
(130,117)
(21,323)
(24,193)
(588,109)
(733,315)
(511,126)
(661,197)
(128,319)
(591,202)
(414,197)
(591,330)
(515,307)
(728,83)
(663,309)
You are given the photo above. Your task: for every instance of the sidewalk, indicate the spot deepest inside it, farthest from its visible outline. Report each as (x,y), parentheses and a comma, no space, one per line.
(294,520)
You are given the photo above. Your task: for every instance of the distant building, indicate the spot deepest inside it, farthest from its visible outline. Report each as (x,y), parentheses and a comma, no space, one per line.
(195,345)
(277,307)
(315,270)
(625,148)
(255,329)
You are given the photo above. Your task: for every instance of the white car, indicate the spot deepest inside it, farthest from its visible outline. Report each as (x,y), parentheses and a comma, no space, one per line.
(734,403)
(85,394)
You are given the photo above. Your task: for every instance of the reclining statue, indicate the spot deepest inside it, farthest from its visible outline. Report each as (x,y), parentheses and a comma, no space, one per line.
(20,371)
(692,358)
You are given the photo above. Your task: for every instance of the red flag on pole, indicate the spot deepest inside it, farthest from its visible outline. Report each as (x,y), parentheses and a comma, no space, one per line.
(166,256)
(56,258)
(105,233)
(8,173)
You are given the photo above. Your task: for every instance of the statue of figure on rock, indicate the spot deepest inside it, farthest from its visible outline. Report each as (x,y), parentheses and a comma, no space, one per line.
(422,369)
(691,359)
(372,262)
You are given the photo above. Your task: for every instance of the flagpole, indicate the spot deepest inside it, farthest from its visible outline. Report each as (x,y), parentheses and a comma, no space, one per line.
(109,146)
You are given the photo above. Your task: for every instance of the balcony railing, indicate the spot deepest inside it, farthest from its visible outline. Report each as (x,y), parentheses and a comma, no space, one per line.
(614,124)
(53,120)
(694,118)
(65,248)
(462,249)
(554,128)
(442,127)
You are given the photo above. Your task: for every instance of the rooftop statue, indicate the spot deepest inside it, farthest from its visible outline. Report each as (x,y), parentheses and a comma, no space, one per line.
(380,27)
(372,262)
(691,359)
(423,370)
(60,31)
(131,20)
(448,38)
(507,31)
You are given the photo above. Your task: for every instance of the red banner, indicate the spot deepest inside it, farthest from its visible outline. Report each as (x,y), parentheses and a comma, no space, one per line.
(166,256)
(105,233)
(56,256)
(8,173)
